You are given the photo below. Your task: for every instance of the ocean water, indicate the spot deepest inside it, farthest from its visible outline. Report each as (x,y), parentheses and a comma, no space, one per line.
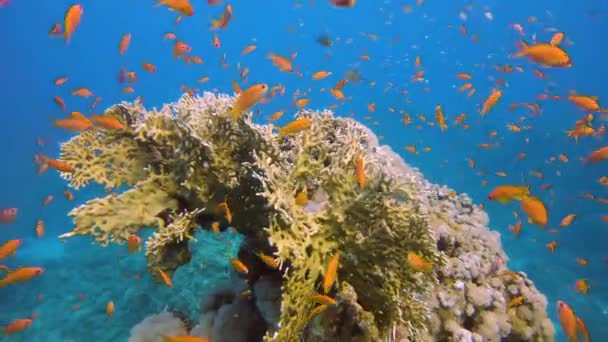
(31,60)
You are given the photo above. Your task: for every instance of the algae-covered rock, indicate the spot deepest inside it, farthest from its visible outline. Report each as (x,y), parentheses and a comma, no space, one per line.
(299,198)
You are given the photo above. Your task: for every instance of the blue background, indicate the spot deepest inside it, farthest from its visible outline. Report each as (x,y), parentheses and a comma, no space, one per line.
(31,60)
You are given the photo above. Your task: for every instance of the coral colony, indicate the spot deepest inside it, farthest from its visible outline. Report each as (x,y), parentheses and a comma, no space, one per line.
(416,261)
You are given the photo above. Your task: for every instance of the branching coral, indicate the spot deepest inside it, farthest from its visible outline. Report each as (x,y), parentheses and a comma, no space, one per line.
(186,158)
(115,217)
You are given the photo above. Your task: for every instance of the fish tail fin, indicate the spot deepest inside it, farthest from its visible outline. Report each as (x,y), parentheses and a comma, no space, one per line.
(159,3)
(522,47)
(214,25)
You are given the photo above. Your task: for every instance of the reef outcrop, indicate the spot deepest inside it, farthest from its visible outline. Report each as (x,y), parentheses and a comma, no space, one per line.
(298,198)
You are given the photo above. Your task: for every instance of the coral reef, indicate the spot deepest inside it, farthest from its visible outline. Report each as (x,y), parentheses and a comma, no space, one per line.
(190,165)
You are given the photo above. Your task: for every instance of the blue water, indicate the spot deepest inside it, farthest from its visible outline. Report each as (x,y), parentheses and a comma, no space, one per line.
(31,60)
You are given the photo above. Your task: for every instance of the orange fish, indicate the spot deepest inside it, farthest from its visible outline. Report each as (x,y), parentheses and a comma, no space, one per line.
(183,7)
(582,262)
(39,228)
(319,75)
(276,116)
(68,195)
(59,101)
(557,38)
(47,200)
(110,309)
(343,3)
(322,299)
(19,325)
(581,286)
(125,40)
(216,41)
(535,209)
(60,80)
(224,208)
(418,263)
(546,54)
(566,221)
(491,101)
(440,118)
(268,260)
(107,122)
(239,266)
(133,243)
(294,127)
(165,278)
(249,98)
(282,63)
(8,215)
(180,48)
(9,248)
(360,170)
(224,19)
(597,155)
(77,123)
(82,92)
(248,49)
(585,102)
(516,229)
(567,319)
(506,193)
(21,274)
(184,338)
(58,165)
(551,246)
(72,19)
(464,76)
(149,67)
(329,278)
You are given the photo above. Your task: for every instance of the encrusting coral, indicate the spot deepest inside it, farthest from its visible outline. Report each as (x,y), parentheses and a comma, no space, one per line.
(189,164)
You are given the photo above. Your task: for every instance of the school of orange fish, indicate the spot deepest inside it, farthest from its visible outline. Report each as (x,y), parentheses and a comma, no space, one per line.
(543,55)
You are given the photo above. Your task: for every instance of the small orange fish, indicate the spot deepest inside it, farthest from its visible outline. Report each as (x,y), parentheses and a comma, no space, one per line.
(268,260)
(517,301)
(535,209)
(546,54)
(68,195)
(276,116)
(39,228)
(183,7)
(59,101)
(551,246)
(581,286)
(180,48)
(506,193)
(149,67)
(18,325)
(133,243)
(567,319)
(216,41)
(125,40)
(516,229)
(464,76)
(166,279)
(294,127)
(110,309)
(282,63)
(360,170)
(82,92)
(224,20)
(597,155)
(566,221)
(21,274)
(248,49)
(59,81)
(9,248)
(557,38)
(418,263)
(239,266)
(320,75)
(329,278)
(107,122)
(582,262)
(48,199)
(184,338)
(440,118)
(72,19)
(249,98)
(58,165)
(491,101)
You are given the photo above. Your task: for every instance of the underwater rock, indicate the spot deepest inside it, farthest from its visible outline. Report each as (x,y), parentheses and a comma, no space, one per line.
(194,157)
(151,328)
